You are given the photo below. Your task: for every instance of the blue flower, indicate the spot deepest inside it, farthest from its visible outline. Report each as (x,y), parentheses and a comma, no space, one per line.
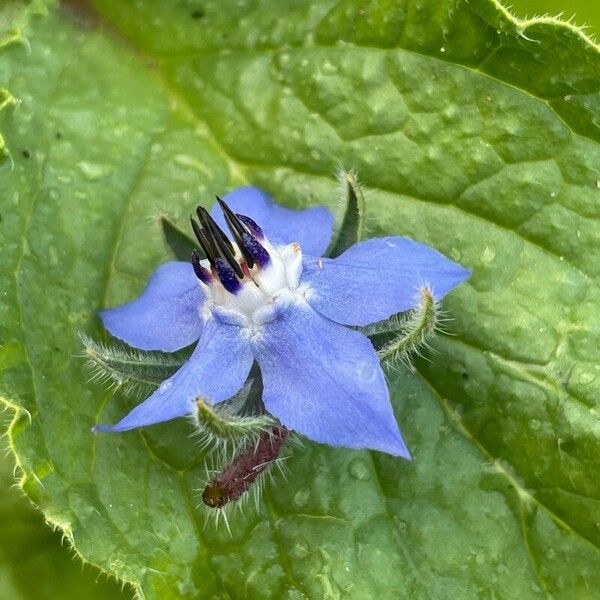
(267,296)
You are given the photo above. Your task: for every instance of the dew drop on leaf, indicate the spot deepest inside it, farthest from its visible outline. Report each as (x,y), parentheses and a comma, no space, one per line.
(359,469)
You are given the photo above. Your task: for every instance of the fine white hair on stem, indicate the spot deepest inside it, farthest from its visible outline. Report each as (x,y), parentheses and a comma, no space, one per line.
(134,372)
(413,330)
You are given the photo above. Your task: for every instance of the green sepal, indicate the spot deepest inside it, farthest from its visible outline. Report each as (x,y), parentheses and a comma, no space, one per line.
(353,224)
(403,335)
(235,423)
(179,242)
(220,426)
(136,372)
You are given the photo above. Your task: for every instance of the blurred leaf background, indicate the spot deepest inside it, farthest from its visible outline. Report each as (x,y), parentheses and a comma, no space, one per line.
(34,563)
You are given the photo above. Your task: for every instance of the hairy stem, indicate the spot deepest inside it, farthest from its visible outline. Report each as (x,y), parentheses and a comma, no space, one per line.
(127,367)
(414,331)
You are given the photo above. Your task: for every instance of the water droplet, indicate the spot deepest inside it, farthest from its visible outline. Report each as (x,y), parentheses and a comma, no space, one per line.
(165,386)
(359,469)
(52,254)
(456,254)
(586,377)
(488,255)
(53,193)
(402,526)
(534,424)
(93,171)
(299,551)
(189,162)
(328,67)
(450,112)
(301,496)
(367,372)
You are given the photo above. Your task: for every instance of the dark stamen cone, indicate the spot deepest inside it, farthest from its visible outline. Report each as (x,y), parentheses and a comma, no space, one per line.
(209,223)
(238,230)
(235,479)
(248,243)
(231,219)
(204,242)
(221,243)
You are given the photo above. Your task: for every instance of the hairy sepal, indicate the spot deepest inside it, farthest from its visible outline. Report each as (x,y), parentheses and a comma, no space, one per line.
(227,427)
(353,225)
(402,336)
(134,372)
(221,429)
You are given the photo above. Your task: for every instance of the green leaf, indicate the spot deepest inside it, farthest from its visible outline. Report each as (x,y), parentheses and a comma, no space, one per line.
(353,223)
(472,132)
(35,563)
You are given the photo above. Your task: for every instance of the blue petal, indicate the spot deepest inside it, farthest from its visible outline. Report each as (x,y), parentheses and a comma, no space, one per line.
(166,316)
(377,278)
(216,370)
(311,227)
(325,381)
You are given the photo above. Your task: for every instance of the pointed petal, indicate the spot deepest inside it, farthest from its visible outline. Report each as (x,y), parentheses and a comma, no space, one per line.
(377,278)
(217,370)
(311,228)
(325,381)
(166,316)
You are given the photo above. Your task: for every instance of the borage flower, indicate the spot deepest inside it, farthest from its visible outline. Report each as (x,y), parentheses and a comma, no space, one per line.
(265,294)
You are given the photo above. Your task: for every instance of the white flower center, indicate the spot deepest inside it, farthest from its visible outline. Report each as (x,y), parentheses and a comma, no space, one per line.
(264,292)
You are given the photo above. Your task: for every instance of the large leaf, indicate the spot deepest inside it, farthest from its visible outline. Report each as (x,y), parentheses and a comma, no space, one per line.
(33,563)
(470,132)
